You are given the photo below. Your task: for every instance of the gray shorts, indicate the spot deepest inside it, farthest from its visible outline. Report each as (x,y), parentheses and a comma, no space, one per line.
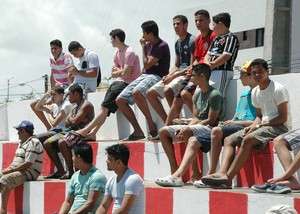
(293,138)
(176,85)
(197,129)
(142,83)
(13,179)
(264,134)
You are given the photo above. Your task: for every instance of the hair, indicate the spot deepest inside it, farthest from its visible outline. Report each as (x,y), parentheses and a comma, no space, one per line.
(224,18)
(59,89)
(29,131)
(150,27)
(261,62)
(84,150)
(202,68)
(74,45)
(76,88)
(182,18)
(204,13)
(118,33)
(119,152)
(56,42)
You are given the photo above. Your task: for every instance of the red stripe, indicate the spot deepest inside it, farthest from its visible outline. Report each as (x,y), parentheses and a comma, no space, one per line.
(159,200)
(54,196)
(48,165)
(15,201)
(227,203)
(94,146)
(297,204)
(258,167)
(8,150)
(136,160)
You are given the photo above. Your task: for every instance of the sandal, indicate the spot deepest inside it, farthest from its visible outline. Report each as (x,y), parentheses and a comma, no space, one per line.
(133,138)
(168,181)
(52,176)
(214,180)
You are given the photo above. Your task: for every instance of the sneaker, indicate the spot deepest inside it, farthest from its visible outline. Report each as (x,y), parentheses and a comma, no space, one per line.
(279,189)
(261,188)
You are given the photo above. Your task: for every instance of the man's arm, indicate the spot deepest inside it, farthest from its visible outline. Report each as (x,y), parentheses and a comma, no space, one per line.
(55,121)
(66,206)
(126,72)
(89,73)
(127,203)
(282,116)
(104,206)
(219,61)
(211,119)
(52,81)
(40,105)
(90,203)
(21,167)
(148,61)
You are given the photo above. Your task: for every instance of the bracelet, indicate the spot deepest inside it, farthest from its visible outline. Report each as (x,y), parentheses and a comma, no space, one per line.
(11,169)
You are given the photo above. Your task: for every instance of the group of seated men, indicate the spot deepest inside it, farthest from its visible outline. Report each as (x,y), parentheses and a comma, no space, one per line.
(199,78)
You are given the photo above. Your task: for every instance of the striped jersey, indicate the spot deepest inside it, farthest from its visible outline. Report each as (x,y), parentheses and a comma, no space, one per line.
(59,68)
(31,151)
(225,44)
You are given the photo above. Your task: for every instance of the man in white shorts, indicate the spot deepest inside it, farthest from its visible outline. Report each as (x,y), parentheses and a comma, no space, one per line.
(171,85)
(208,111)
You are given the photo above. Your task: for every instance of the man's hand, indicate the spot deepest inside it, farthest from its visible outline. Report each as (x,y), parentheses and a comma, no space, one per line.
(73,70)
(179,134)
(143,41)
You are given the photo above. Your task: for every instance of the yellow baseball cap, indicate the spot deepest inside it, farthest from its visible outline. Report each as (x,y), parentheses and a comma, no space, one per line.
(245,67)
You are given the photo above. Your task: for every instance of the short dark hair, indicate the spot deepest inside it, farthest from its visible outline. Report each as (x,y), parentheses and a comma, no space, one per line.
(261,62)
(56,42)
(84,150)
(74,45)
(76,88)
(202,68)
(182,18)
(118,33)
(150,27)
(224,18)
(202,12)
(59,89)
(119,152)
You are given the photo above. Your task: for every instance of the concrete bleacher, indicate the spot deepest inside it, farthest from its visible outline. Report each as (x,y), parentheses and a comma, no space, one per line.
(150,161)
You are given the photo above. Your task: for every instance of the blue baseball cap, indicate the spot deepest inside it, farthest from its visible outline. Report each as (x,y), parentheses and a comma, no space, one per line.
(25,124)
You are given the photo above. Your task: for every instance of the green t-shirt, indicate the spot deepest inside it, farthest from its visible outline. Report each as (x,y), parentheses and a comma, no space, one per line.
(80,185)
(211,100)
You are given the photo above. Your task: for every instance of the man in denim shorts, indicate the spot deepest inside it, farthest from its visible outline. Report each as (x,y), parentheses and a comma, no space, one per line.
(156,61)
(271,101)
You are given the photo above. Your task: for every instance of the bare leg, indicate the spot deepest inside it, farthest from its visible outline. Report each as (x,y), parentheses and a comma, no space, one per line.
(187,98)
(40,115)
(141,102)
(153,99)
(174,110)
(129,114)
(96,123)
(187,134)
(54,158)
(169,95)
(216,147)
(4,199)
(167,143)
(242,156)
(67,154)
(190,155)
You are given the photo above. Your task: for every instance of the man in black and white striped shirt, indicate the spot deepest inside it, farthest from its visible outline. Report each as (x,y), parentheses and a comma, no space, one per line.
(27,163)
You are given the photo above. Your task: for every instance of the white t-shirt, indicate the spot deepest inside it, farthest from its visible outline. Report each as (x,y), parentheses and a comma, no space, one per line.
(88,61)
(130,184)
(269,99)
(67,107)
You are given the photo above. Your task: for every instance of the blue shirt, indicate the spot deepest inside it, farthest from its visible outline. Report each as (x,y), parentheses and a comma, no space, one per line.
(245,110)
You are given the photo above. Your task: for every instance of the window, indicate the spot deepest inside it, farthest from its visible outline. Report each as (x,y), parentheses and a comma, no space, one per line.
(245,35)
(260,34)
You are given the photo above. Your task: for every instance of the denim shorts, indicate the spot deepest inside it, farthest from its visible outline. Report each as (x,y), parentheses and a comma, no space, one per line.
(142,84)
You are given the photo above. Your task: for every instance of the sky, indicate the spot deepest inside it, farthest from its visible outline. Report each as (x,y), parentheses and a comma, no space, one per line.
(27,27)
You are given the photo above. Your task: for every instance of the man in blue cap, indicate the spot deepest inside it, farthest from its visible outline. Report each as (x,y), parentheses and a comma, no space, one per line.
(27,163)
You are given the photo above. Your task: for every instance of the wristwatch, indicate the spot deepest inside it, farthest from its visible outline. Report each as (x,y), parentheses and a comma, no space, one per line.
(257,126)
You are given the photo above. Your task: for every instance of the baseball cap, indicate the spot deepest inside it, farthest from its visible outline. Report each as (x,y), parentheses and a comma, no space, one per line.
(25,124)
(245,67)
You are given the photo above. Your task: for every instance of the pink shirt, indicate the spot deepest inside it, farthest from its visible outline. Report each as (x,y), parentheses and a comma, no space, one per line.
(127,57)
(59,69)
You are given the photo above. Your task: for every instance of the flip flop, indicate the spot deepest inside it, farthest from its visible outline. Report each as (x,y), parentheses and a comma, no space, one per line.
(222,186)
(65,177)
(200,184)
(213,180)
(52,176)
(168,181)
(133,138)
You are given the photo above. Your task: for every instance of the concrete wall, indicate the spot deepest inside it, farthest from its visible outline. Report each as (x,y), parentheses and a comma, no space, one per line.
(117,127)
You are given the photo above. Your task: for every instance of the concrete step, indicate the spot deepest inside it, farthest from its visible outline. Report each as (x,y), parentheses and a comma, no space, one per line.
(149,160)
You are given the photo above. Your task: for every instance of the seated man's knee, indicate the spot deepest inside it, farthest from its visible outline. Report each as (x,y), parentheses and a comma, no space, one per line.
(193,143)
(120,101)
(279,141)
(136,93)
(229,141)
(185,95)
(33,104)
(168,91)
(216,131)
(151,93)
